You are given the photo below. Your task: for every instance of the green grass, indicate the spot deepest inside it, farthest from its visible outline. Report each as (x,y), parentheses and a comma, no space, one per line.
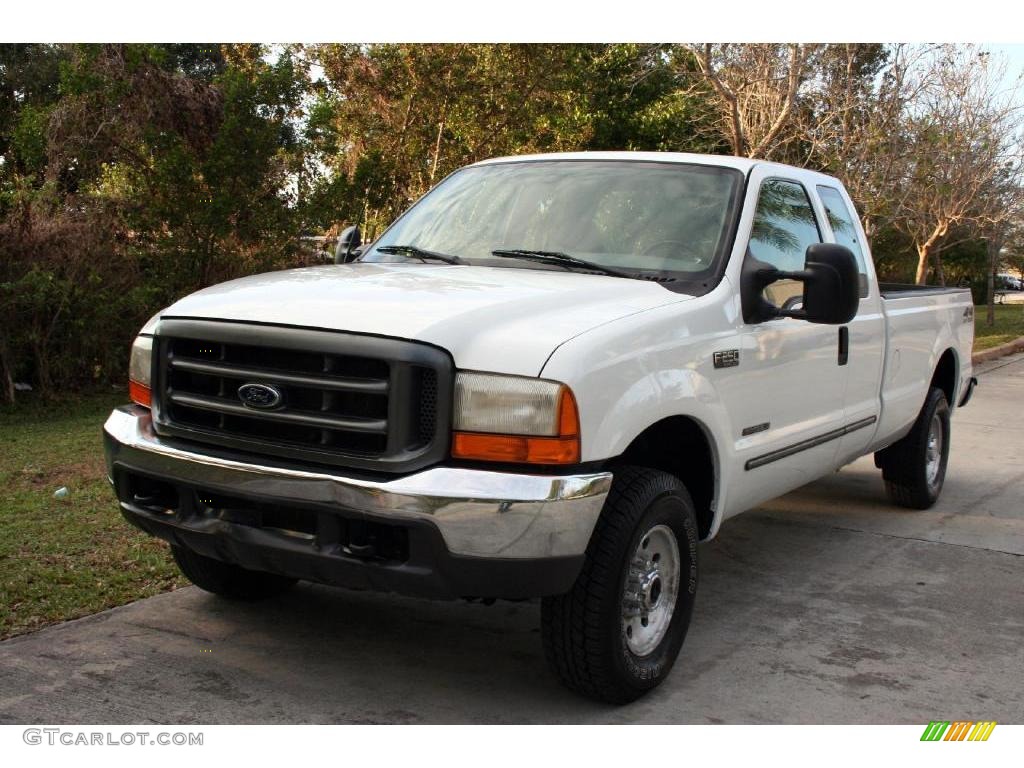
(65,558)
(1009,326)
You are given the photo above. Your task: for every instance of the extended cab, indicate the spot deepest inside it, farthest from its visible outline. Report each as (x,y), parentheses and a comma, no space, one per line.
(551,377)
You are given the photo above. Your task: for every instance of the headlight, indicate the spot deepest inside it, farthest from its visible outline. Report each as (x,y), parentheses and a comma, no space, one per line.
(139,368)
(514,419)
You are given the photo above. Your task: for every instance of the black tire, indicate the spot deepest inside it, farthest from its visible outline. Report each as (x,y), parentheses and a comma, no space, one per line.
(227,580)
(584,631)
(905,464)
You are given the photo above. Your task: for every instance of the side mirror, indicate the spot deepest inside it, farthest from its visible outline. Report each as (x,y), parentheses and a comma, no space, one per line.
(348,244)
(831,281)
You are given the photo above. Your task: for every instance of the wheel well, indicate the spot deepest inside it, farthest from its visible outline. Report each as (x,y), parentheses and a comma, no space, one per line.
(945,375)
(678,445)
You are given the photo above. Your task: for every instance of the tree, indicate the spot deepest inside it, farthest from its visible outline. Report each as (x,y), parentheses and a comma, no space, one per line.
(963,145)
(632,101)
(400,117)
(852,123)
(140,173)
(1002,241)
(131,174)
(1012,255)
(756,88)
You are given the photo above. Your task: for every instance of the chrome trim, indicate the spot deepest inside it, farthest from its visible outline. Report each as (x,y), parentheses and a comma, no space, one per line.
(479,513)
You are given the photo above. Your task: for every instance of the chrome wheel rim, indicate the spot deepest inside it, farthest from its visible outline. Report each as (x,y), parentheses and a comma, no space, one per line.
(652,587)
(933,452)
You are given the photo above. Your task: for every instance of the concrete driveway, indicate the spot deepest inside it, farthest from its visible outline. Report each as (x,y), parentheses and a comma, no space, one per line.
(825,606)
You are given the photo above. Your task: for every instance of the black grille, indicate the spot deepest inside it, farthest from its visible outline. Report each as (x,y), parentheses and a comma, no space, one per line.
(428,403)
(330,401)
(343,399)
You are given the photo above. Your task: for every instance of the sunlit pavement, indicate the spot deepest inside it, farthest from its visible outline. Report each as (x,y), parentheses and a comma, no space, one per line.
(827,605)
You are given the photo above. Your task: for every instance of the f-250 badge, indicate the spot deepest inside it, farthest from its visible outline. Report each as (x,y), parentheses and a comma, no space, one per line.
(727,358)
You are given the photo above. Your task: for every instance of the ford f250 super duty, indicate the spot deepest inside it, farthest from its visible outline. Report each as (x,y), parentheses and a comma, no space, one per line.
(550,378)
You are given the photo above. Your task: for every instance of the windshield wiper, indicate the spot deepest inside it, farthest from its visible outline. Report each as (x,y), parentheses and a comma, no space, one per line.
(419,253)
(561,259)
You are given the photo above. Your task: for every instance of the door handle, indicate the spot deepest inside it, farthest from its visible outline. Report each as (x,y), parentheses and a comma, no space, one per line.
(844,345)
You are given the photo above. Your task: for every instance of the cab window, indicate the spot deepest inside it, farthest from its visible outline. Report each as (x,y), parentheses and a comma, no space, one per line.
(784,227)
(840,219)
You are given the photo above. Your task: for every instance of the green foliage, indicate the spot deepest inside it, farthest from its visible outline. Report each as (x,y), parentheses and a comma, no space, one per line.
(28,138)
(395,119)
(133,174)
(893,253)
(965,263)
(634,102)
(147,172)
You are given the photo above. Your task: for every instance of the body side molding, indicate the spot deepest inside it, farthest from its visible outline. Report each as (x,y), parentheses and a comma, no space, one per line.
(804,445)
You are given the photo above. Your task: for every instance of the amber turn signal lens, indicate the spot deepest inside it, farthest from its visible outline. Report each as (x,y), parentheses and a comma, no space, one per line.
(524,449)
(516,449)
(140,393)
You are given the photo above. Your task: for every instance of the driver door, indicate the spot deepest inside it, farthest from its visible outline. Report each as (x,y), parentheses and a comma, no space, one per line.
(789,414)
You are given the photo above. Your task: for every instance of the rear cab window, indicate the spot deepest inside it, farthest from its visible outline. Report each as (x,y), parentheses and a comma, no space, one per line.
(840,219)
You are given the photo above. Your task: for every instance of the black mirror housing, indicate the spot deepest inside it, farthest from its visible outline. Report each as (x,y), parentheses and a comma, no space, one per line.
(348,244)
(831,281)
(832,289)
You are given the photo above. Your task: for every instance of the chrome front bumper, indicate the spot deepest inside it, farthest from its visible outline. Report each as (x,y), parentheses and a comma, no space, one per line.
(479,513)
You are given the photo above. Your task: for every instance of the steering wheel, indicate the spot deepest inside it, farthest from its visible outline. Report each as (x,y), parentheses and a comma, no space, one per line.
(675,250)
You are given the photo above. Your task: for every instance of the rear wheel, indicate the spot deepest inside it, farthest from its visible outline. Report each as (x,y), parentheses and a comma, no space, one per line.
(914,469)
(227,580)
(618,632)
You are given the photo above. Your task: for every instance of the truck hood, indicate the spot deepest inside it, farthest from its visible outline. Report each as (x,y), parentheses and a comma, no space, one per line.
(499,319)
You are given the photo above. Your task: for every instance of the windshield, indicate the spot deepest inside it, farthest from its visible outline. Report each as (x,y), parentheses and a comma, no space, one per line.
(629,215)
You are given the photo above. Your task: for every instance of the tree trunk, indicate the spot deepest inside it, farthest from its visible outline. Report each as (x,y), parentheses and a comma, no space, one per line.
(924,250)
(6,378)
(736,138)
(437,144)
(43,368)
(990,314)
(993,248)
(922,263)
(437,151)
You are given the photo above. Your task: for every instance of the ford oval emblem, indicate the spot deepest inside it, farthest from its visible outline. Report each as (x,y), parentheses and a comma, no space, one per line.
(260,396)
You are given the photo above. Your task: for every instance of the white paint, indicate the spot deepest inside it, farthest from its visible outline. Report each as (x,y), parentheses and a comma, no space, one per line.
(500,319)
(635,353)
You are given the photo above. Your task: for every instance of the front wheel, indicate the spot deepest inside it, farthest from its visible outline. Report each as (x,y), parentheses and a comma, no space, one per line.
(914,468)
(618,632)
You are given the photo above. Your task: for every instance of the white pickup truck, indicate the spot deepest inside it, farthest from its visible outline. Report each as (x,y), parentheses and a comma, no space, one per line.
(551,377)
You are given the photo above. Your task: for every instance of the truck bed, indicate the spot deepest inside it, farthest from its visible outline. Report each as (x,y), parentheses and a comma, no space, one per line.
(921,322)
(903,290)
